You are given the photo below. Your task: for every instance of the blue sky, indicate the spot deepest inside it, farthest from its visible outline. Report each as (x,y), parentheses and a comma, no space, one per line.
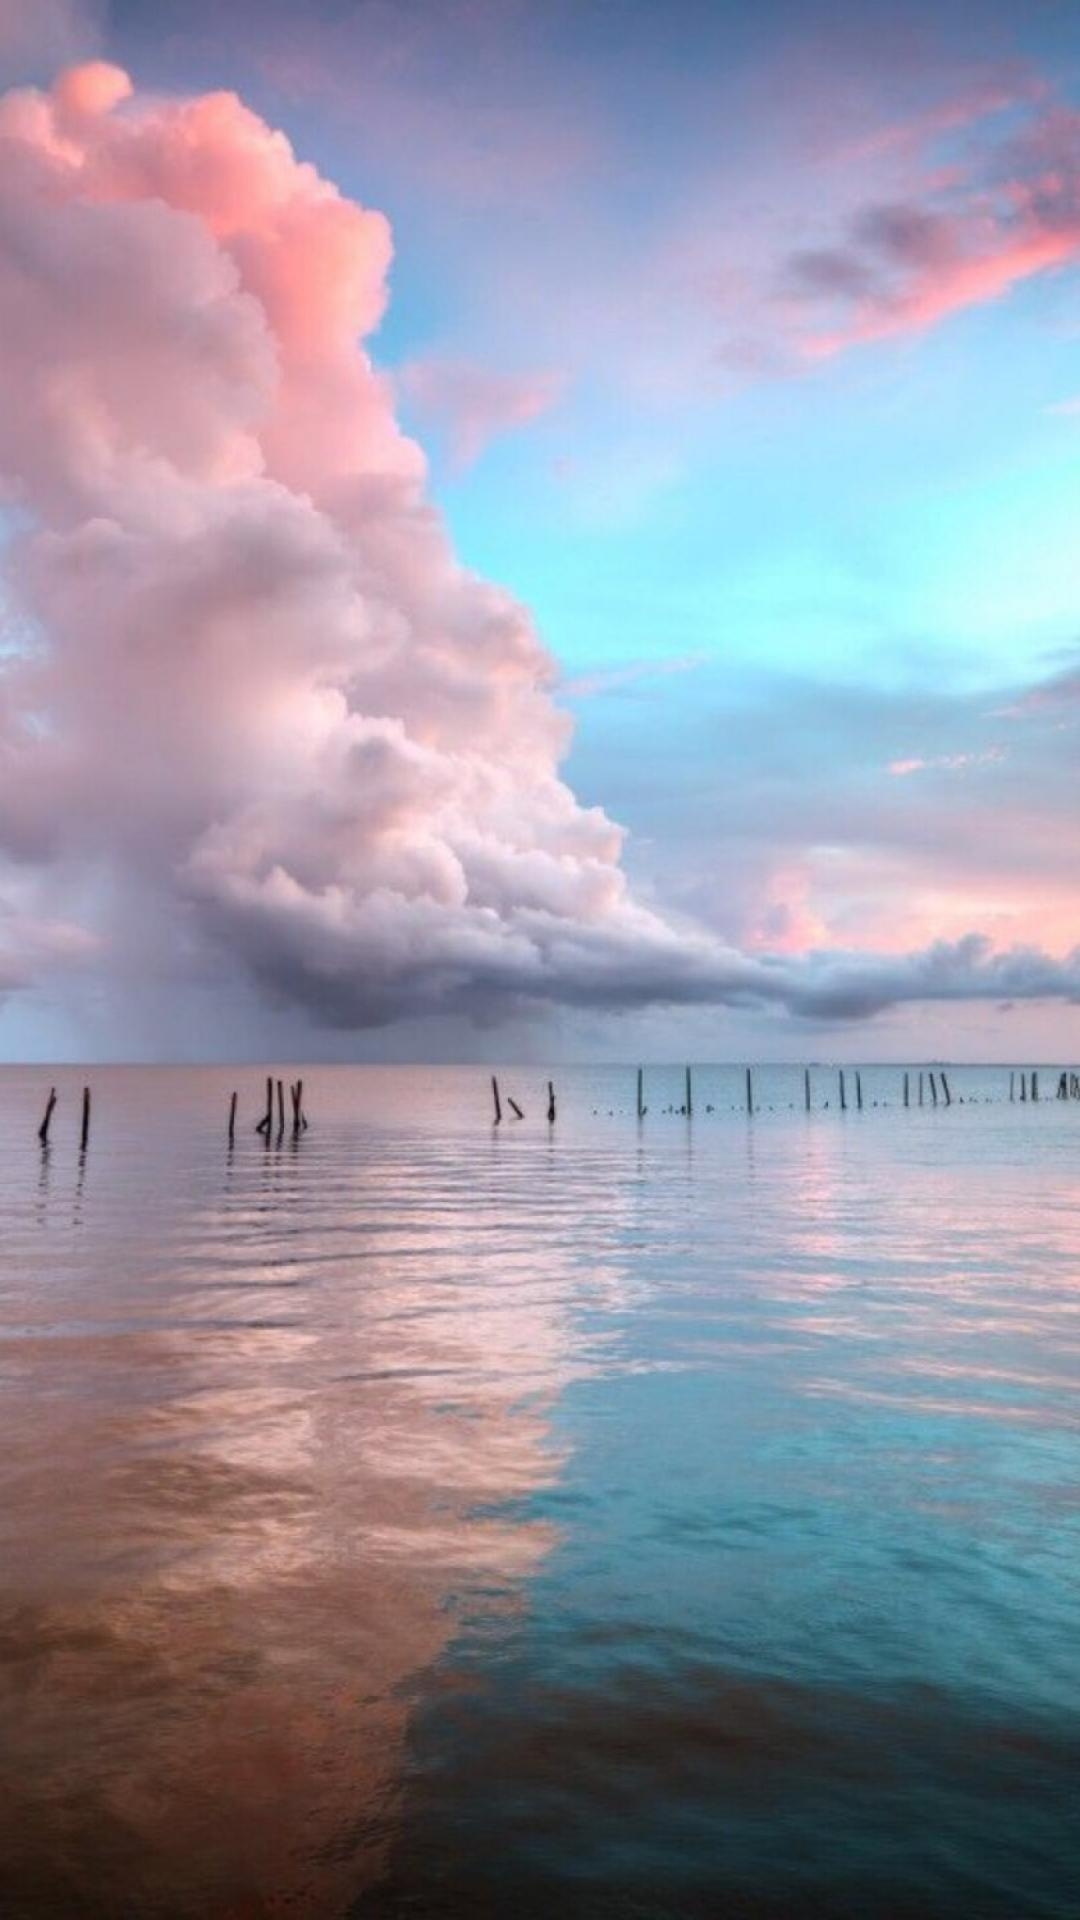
(744,347)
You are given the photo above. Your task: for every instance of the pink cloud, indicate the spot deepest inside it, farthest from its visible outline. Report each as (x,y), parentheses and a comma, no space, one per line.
(1009,212)
(946,286)
(474,405)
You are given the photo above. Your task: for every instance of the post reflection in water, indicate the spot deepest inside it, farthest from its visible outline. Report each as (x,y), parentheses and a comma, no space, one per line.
(666,1519)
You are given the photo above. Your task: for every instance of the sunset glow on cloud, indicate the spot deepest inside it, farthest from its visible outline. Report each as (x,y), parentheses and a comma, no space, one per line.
(259,691)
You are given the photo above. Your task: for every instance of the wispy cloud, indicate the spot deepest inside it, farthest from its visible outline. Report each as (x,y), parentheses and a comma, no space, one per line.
(633,674)
(946,762)
(474,405)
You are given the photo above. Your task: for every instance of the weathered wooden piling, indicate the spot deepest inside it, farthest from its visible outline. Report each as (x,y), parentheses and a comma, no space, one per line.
(641,1093)
(1034,1086)
(945,1089)
(267,1120)
(1012,1086)
(1023,1086)
(907,1090)
(920,1090)
(515,1109)
(689,1092)
(232,1120)
(551,1104)
(749,1091)
(84,1130)
(858,1090)
(498,1102)
(280,1107)
(806,1087)
(843,1092)
(933,1089)
(43,1130)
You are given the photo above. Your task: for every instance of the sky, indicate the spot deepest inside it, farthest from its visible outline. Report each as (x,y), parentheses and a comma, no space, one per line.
(539,531)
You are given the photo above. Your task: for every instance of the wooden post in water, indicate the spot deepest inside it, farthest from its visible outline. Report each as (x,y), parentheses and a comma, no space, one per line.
(749,1091)
(1012,1086)
(806,1087)
(1034,1086)
(641,1093)
(689,1093)
(1023,1086)
(907,1090)
(933,1089)
(267,1120)
(498,1102)
(920,1089)
(280,1107)
(518,1115)
(232,1120)
(43,1130)
(84,1132)
(858,1089)
(945,1085)
(551,1104)
(843,1093)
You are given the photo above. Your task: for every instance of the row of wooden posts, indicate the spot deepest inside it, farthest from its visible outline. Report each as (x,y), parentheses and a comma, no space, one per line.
(1068,1088)
(936,1082)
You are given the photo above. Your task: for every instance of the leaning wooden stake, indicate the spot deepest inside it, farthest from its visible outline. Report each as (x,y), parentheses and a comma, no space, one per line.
(948,1095)
(518,1115)
(933,1089)
(551,1104)
(498,1102)
(749,1091)
(232,1120)
(84,1132)
(43,1130)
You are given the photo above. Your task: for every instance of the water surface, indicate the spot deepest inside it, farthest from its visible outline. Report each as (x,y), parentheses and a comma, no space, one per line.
(669,1520)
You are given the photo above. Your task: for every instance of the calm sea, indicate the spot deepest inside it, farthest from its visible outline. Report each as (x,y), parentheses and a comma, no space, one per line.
(673,1520)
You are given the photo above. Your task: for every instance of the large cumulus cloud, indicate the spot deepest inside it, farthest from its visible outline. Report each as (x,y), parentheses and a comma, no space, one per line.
(253,688)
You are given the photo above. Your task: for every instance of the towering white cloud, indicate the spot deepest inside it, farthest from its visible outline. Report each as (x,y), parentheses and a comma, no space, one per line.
(253,686)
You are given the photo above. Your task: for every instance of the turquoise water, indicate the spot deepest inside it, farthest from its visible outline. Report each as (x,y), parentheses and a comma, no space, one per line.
(422,1518)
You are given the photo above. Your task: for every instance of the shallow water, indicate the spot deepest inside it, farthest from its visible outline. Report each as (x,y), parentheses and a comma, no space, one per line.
(420,1518)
